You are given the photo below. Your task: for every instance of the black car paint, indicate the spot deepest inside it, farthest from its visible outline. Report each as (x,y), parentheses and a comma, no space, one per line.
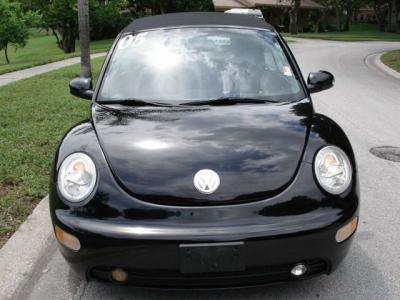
(294,222)
(245,144)
(111,201)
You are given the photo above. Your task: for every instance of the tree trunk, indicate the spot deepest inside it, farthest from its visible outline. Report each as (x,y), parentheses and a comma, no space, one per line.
(6,54)
(317,25)
(393,17)
(84,38)
(337,13)
(349,15)
(346,26)
(293,13)
(57,38)
(68,41)
(380,15)
(68,37)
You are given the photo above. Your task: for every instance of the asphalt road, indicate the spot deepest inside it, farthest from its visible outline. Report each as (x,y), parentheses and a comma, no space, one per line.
(366,103)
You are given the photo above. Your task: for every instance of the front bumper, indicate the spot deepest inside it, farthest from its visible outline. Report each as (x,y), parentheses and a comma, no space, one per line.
(156,262)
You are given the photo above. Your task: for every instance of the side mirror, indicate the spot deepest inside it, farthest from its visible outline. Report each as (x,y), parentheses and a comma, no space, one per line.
(82,88)
(319,81)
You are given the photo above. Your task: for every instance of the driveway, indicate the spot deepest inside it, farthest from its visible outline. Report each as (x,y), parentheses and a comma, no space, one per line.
(366,103)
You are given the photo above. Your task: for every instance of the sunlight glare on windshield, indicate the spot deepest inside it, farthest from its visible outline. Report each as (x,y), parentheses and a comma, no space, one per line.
(162,58)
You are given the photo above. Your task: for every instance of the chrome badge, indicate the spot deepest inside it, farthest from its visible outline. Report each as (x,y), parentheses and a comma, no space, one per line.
(206,181)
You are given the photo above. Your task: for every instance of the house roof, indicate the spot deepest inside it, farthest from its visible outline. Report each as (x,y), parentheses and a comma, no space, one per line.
(195,19)
(221,5)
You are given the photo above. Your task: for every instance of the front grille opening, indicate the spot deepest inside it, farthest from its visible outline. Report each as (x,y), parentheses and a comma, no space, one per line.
(175,279)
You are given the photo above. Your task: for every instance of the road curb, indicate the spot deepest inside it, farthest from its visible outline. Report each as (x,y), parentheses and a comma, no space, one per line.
(374,62)
(24,249)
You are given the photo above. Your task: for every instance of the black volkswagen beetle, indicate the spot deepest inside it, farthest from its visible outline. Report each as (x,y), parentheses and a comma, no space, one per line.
(203,163)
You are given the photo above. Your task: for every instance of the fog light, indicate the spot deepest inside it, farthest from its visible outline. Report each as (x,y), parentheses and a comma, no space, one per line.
(68,240)
(346,231)
(299,270)
(119,275)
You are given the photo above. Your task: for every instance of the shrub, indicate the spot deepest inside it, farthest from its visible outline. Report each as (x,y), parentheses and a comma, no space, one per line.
(107,20)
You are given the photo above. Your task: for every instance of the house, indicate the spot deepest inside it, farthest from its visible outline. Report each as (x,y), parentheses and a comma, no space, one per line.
(276,12)
(364,14)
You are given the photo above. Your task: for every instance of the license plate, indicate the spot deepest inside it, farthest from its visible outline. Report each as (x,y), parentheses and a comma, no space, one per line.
(211,258)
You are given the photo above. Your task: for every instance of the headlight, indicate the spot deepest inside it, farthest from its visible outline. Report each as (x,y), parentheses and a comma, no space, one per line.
(333,169)
(77,177)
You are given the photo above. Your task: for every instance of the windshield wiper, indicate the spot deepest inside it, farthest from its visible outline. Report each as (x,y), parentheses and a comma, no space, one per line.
(133,102)
(230,101)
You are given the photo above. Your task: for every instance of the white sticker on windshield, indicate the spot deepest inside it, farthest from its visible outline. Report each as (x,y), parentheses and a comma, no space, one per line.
(287,71)
(220,40)
(132,40)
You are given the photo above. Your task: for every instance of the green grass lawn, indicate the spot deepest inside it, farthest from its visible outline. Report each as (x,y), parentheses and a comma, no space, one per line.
(392,59)
(41,49)
(35,113)
(358,32)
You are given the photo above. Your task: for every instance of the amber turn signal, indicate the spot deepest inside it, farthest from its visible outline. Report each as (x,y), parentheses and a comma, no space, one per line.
(68,240)
(346,231)
(119,275)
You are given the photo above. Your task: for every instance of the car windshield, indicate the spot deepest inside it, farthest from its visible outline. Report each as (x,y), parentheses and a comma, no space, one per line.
(197,64)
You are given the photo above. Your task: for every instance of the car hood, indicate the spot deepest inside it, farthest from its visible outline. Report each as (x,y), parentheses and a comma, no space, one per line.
(155,152)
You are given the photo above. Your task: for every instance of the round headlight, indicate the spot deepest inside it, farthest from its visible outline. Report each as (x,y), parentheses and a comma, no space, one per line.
(77,177)
(333,169)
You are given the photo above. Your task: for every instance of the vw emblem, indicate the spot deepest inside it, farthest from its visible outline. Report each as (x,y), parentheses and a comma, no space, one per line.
(206,181)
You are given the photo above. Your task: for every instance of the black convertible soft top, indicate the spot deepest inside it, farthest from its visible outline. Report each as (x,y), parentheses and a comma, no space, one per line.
(196,19)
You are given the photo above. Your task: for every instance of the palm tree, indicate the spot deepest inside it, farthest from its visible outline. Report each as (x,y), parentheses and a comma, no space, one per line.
(84,38)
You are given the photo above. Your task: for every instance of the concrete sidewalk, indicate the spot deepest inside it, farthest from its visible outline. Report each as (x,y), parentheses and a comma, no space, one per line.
(24,251)
(26,73)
